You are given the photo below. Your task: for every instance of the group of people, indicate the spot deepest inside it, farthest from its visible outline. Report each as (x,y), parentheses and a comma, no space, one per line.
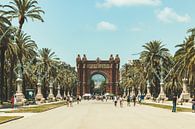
(121,100)
(69,101)
(174,101)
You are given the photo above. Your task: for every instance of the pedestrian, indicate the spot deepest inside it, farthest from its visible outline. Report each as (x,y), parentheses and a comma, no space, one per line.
(68,101)
(115,101)
(121,101)
(174,103)
(71,101)
(128,100)
(193,105)
(134,100)
(106,98)
(15,101)
(78,100)
(12,101)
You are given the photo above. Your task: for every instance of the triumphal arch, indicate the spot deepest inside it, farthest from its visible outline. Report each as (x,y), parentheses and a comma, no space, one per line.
(108,68)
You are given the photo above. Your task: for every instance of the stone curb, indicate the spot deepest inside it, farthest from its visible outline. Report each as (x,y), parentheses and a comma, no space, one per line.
(19,117)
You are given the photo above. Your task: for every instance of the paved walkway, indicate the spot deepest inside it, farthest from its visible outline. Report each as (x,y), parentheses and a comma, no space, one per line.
(102,115)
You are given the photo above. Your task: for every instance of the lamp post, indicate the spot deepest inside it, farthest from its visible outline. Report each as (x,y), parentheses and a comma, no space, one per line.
(185,96)
(39,96)
(58,97)
(161,95)
(19,95)
(51,95)
(148,95)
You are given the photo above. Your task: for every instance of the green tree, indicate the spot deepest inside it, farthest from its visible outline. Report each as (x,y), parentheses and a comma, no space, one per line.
(153,52)
(6,34)
(23,10)
(47,59)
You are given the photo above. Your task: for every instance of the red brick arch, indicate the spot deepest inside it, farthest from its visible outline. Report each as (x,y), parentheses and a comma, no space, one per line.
(108,68)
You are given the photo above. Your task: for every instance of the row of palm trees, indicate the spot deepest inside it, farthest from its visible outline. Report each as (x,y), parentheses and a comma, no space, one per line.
(17,48)
(156,65)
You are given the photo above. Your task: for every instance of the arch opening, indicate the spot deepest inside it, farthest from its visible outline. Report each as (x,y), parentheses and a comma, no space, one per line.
(98,84)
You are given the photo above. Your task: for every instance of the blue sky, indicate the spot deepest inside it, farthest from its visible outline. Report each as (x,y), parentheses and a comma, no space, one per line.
(99,28)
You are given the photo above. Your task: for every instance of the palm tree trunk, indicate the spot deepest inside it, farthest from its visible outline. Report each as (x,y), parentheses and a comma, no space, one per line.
(44,83)
(6,88)
(2,74)
(11,76)
(20,28)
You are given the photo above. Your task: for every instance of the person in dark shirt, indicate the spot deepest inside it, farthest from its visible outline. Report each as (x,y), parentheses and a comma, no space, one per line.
(193,105)
(128,100)
(174,103)
(134,100)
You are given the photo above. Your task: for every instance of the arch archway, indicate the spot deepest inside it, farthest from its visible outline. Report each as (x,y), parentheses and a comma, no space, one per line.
(107,68)
(97,83)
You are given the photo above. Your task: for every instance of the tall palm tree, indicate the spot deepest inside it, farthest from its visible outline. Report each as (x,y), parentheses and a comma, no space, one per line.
(6,34)
(152,55)
(23,10)
(185,59)
(182,56)
(47,59)
(26,49)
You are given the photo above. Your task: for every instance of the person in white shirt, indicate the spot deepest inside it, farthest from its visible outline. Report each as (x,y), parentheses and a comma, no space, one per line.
(71,99)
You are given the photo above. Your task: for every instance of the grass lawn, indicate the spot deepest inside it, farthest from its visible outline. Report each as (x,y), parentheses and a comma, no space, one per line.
(179,109)
(37,109)
(4,119)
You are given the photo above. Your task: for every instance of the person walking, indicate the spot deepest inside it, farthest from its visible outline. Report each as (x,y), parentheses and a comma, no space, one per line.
(78,100)
(121,101)
(115,101)
(134,100)
(128,101)
(71,101)
(193,105)
(68,101)
(174,103)
(12,101)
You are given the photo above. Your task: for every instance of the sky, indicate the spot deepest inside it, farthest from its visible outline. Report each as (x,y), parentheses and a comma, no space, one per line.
(99,28)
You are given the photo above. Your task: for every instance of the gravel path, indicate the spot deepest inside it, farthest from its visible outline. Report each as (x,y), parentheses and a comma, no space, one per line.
(103,115)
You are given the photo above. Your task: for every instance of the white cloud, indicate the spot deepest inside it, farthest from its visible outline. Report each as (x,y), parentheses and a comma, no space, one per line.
(120,3)
(106,26)
(168,15)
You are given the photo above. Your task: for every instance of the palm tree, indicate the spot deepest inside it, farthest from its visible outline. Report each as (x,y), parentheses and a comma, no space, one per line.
(173,84)
(151,56)
(22,9)
(182,57)
(126,81)
(25,50)
(185,59)
(6,34)
(47,59)
(25,47)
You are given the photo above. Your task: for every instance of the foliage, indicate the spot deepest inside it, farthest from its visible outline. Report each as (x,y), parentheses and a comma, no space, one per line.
(17,47)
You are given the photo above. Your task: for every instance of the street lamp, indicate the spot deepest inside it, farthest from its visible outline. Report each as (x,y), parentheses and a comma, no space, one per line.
(148,95)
